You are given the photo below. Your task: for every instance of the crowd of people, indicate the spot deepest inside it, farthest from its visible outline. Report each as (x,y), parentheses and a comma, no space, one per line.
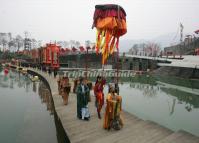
(82,87)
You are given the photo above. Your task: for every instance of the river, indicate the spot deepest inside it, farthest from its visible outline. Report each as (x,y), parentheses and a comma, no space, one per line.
(27,111)
(169,101)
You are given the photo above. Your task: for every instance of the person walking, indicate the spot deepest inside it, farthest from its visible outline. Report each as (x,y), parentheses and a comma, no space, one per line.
(112,117)
(82,92)
(66,89)
(98,91)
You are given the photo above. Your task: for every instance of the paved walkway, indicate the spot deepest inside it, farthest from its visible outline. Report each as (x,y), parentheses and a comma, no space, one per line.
(135,130)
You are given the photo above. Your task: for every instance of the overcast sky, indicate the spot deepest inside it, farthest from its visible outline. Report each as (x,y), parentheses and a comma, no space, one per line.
(72,19)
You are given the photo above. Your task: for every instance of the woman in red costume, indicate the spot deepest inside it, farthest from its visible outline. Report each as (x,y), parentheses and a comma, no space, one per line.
(98,91)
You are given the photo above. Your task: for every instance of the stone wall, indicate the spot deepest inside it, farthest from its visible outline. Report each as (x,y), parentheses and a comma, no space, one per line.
(190,73)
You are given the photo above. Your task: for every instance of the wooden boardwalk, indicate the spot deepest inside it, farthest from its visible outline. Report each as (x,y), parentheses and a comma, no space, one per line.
(135,130)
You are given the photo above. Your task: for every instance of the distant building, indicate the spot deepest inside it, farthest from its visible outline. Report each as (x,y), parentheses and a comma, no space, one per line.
(187,47)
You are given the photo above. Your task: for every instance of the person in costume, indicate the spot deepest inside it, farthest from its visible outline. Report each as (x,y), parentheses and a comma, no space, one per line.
(82,92)
(112,117)
(114,84)
(66,89)
(76,82)
(59,84)
(98,91)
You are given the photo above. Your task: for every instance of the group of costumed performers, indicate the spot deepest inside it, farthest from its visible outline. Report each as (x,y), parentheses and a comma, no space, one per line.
(112,116)
(110,23)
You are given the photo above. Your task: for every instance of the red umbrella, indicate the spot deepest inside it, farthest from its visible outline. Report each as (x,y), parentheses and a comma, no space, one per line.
(62,51)
(67,50)
(88,47)
(81,48)
(74,49)
(197,31)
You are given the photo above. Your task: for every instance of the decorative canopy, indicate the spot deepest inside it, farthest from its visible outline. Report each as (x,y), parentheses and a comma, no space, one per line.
(110,22)
(197,31)
(81,48)
(74,49)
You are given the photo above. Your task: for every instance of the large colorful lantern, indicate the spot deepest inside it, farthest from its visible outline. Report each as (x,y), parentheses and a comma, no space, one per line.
(110,22)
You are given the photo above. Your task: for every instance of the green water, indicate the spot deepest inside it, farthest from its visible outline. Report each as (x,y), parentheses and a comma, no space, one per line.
(169,101)
(26,111)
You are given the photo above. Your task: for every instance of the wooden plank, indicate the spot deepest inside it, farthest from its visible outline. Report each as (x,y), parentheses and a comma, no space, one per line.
(180,137)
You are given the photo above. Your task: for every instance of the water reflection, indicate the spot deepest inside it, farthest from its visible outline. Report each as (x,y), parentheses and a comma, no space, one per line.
(191,101)
(12,79)
(45,97)
(168,101)
(25,114)
(185,91)
(34,87)
(146,89)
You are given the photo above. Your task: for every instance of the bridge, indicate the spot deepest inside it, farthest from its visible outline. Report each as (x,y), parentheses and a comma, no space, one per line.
(135,130)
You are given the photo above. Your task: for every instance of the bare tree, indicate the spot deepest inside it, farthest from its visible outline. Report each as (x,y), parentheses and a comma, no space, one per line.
(19,42)
(4,43)
(72,43)
(153,49)
(145,49)
(12,44)
(77,44)
(135,49)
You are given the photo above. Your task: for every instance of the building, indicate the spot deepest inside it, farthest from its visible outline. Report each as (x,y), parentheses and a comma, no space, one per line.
(187,47)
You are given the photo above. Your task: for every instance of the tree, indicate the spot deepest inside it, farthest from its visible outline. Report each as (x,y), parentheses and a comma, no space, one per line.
(19,42)
(34,43)
(77,44)
(72,43)
(153,49)
(134,50)
(4,43)
(145,49)
(12,44)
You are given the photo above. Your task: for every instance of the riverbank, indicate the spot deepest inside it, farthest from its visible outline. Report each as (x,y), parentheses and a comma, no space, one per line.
(182,72)
(188,67)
